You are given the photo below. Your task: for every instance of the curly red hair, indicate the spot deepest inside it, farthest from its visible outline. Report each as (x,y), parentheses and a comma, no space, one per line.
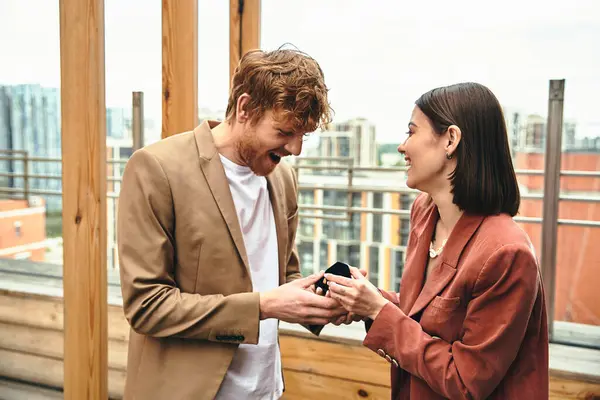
(289,82)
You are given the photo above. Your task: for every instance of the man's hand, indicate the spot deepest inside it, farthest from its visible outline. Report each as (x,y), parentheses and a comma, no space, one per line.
(348,319)
(295,303)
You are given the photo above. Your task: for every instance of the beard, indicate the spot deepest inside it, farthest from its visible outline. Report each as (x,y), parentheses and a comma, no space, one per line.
(249,150)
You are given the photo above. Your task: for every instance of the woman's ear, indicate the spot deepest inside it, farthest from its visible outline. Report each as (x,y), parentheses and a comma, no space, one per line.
(454,138)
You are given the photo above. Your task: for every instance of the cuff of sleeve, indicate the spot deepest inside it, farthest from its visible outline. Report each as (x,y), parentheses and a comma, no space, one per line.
(381,329)
(243,323)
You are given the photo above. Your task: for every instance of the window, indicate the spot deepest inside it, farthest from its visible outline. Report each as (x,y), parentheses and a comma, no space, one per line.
(306,197)
(354,256)
(17,226)
(404,231)
(343,253)
(305,252)
(377,218)
(374,265)
(356,217)
(406,201)
(397,268)
(323,253)
(307,227)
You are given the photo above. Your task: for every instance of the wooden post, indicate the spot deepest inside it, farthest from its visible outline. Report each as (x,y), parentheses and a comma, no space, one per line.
(179,66)
(244,30)
(83,118)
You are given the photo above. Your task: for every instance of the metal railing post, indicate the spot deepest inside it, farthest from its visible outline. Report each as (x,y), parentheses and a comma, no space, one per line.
(137,120)
(26,176)
(551,194)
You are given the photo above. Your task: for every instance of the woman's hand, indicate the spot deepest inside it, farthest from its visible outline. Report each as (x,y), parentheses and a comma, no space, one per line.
(358,295)
(348,318)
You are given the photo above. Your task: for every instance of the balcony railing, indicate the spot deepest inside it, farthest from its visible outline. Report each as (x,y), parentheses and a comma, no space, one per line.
(350,175)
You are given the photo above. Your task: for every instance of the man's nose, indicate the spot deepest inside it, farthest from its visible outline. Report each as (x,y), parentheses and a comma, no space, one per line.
(294,146)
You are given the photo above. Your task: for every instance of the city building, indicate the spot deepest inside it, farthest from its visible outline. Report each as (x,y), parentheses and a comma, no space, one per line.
(372,240)
(30,121)
(354,138)
(23,229)
(118,152)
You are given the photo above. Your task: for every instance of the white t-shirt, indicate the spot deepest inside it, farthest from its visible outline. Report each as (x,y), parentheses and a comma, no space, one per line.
(255,371)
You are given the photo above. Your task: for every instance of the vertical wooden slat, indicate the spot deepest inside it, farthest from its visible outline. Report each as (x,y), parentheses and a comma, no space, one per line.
(179,66)
(244,30)
(83,118)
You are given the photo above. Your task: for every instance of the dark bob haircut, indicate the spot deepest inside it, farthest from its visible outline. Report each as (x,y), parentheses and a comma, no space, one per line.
(484,181)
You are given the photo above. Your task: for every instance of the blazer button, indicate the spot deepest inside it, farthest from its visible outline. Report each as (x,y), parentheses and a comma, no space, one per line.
(395,363)
(381,352)
(388,358)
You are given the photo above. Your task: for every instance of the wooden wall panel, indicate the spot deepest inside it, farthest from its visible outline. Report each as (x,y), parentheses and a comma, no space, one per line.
(306,385)
(31,350)
(342,361)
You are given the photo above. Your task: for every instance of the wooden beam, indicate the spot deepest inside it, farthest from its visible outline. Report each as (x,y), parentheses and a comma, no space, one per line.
(179,66)
(244,30)
(83,119)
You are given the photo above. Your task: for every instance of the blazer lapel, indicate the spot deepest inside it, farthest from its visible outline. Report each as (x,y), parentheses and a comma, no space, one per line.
(443,273)
(416,259)
(276,195)
(437,281)
(212,168)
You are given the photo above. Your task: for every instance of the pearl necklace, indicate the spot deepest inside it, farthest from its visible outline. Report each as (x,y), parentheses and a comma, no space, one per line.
(433,253)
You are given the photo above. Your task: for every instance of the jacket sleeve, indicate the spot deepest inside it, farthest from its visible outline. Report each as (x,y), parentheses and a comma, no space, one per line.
(152,302)
(473,366)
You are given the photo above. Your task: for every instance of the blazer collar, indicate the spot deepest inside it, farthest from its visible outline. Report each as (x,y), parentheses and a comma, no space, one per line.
(443,273)
(213,170)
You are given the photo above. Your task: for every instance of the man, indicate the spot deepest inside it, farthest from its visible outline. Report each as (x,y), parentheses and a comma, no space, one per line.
(207,222)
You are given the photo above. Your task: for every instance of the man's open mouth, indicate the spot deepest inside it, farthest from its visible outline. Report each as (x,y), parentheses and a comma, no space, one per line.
(275,158)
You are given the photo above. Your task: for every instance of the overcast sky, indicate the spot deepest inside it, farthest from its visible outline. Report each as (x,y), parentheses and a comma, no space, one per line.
(378,56)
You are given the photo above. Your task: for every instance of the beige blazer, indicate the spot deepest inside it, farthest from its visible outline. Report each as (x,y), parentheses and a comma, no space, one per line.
(185,279)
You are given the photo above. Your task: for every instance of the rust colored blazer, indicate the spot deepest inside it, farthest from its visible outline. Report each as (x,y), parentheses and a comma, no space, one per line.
(477,328)
(186,285)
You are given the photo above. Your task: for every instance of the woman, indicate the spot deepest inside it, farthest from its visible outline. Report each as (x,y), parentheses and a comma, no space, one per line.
(470,319)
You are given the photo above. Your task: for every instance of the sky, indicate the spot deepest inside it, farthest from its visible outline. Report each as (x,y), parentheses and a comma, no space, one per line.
(378,56)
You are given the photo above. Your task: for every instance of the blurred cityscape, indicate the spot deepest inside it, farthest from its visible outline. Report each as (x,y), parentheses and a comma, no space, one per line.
(353,197)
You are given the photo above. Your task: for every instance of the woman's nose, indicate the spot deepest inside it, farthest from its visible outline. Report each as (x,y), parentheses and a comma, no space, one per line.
(402,147)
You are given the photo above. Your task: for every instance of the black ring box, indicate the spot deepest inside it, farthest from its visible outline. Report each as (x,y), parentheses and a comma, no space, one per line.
(339,268)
